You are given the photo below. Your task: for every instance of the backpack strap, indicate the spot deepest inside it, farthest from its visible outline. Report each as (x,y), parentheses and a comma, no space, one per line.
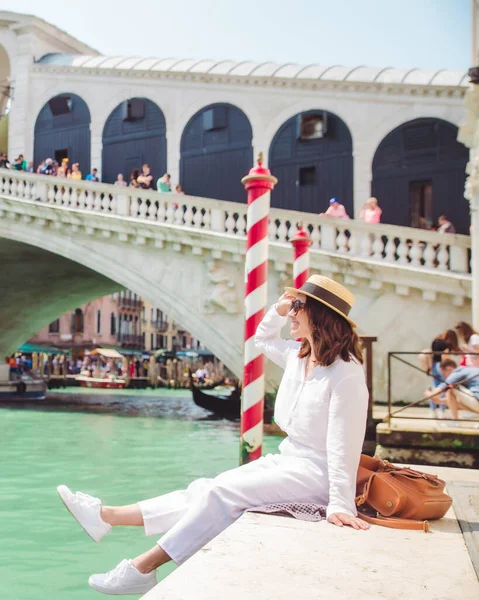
(395,523)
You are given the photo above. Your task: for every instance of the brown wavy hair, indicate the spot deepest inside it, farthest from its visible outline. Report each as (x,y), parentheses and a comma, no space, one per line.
(464,330)
(333,336)
(450,337)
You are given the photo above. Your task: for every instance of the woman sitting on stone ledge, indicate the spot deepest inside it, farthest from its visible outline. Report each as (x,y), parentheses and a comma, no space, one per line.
(321,404)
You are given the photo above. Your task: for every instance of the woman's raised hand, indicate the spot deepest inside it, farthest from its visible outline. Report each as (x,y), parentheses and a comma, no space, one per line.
(341,519)
(283,306)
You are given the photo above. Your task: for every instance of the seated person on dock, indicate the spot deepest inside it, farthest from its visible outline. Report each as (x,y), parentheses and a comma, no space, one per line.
(461,386)
(321,405)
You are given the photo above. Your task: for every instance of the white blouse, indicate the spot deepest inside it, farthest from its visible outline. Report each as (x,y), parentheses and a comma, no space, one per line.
(324,414)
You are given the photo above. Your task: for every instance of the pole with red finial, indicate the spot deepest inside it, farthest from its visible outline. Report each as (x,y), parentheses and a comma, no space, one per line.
(258,183)
(301,243)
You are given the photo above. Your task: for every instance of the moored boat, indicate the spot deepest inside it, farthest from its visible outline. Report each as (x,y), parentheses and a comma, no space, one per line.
(20,386)
(225,406)
(108,383)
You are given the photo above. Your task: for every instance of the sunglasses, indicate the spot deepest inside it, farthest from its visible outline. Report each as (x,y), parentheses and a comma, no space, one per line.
(296,306)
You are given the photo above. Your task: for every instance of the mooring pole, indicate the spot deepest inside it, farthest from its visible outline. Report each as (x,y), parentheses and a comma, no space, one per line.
(258,183)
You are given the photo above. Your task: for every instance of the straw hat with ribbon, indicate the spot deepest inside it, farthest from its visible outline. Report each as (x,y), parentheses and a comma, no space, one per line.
(330,293)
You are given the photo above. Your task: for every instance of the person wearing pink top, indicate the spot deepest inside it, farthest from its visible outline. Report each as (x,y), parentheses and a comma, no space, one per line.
(335,211)
(371,213)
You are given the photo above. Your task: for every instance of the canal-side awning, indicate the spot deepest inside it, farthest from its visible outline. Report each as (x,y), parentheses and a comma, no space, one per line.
(29,348)
(107,353)
(125,351)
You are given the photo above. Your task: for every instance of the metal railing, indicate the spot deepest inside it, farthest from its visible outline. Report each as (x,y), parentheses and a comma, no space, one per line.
(124,302)
(394,410)
(160,324)
(131,340)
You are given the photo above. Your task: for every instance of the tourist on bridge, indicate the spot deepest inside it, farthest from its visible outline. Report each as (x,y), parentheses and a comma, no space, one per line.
(120,181)
(20,164)
(335,211)
(145,179)
(75,174)
(4,162)
(371,213)
(164,183)
(321,405)
(46,167)
(134,178)
(93,176)
(445,226)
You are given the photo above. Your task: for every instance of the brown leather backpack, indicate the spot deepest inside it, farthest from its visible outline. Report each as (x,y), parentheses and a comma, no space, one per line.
(402,498)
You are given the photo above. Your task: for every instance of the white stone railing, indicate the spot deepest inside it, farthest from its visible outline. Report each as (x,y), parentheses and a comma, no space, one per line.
(386,244)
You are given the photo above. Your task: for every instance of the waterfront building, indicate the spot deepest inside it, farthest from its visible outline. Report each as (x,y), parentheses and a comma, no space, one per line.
(161,332)
(122,320)
(110,321)
(326,130)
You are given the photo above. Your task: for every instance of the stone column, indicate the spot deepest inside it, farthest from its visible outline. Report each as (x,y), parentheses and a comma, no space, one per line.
(173,142)
(363,161)
(469,135)
(21,122)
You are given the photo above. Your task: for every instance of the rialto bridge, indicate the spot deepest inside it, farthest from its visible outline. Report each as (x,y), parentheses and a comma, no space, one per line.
(64,244)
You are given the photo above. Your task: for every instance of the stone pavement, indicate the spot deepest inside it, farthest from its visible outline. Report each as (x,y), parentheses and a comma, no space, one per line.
(262,556)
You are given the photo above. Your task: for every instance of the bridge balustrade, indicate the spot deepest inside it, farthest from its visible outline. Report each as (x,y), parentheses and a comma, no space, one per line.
(378,243)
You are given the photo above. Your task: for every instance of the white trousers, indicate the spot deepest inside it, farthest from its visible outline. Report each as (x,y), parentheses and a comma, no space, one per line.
(191,518)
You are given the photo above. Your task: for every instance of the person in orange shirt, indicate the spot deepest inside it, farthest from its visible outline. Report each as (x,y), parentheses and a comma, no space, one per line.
(13,364)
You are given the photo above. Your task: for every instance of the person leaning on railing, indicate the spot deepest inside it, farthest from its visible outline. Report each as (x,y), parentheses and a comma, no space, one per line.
(430,360)
(461,385)
(469,343)
(371,213)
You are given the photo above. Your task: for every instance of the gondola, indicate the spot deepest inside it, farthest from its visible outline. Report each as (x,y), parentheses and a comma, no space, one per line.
(226,407)
(212,385)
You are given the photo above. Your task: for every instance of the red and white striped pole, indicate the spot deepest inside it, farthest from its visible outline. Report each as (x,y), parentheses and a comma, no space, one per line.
(258,183)
(301,243)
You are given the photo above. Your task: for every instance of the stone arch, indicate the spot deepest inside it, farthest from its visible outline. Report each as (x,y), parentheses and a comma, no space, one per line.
(134,133)
(404,114)
(419,173)
(311,154)
(114,274)
(62,129)
(328,104)
(5,76)
(216,152)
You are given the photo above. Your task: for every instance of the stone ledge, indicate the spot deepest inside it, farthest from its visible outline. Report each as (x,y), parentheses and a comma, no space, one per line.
(429,434)
(263,556)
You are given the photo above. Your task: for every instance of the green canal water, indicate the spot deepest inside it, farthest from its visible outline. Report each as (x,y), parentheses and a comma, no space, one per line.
(118,457)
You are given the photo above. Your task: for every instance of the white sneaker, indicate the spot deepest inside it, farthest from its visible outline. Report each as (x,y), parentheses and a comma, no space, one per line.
(432,413)
(123,579)
(86,510)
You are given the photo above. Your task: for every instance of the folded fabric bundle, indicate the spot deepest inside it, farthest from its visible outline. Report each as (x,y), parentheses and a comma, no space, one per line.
(305,511)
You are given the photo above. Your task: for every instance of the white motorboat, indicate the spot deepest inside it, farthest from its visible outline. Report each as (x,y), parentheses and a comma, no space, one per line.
(20,386)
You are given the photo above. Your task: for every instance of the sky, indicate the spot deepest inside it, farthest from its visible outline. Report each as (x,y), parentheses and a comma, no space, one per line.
(429,34)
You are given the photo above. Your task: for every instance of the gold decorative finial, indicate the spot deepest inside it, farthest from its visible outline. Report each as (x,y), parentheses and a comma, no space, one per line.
(260,159)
